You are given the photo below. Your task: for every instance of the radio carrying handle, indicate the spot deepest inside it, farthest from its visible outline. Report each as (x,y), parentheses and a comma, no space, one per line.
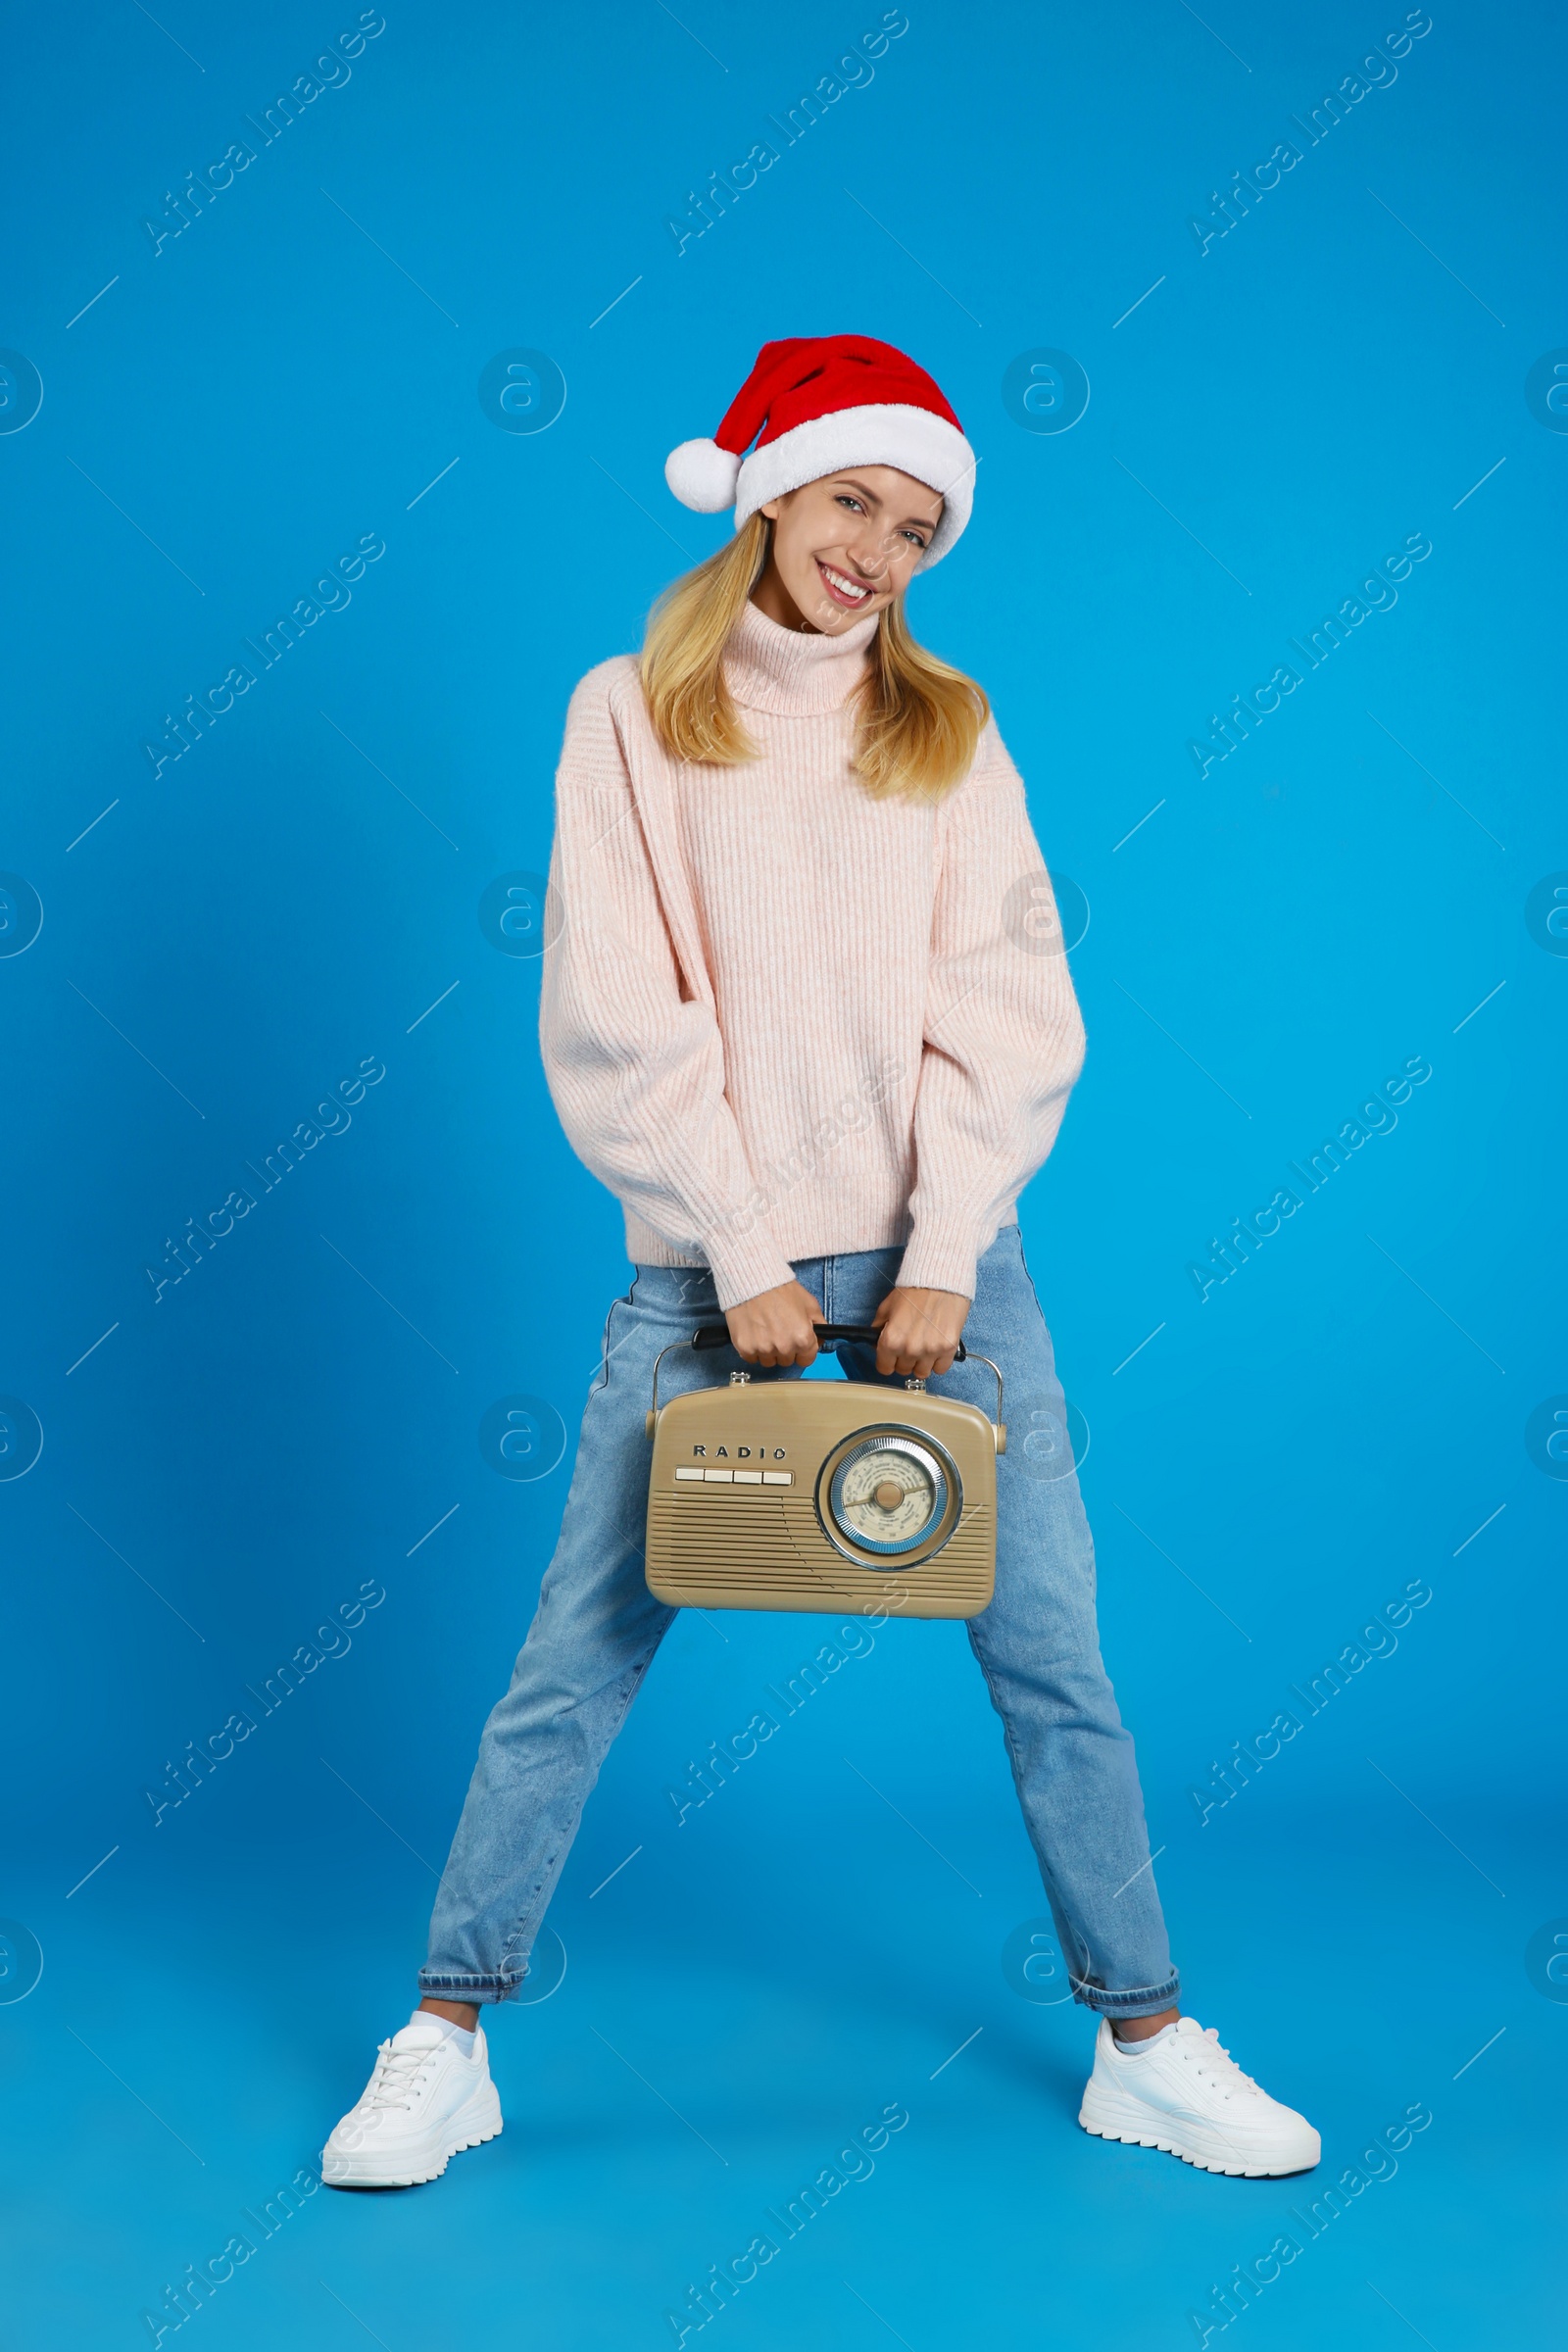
(717,1335)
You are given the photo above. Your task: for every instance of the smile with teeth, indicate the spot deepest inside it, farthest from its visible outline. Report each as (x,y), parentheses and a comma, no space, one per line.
(852,592)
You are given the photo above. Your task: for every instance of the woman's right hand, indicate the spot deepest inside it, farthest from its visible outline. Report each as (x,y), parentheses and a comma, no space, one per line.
(775,1327)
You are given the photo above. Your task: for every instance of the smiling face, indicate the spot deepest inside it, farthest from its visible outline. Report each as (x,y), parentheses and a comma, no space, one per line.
(845,546)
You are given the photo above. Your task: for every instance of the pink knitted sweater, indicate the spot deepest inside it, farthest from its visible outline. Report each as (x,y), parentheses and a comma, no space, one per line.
(783,1018)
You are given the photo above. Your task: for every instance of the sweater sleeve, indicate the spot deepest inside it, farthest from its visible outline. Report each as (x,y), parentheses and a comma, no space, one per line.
(1004,1037)
(634,1063)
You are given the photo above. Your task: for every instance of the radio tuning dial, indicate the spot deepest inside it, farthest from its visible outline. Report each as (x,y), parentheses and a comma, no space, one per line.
(888,1492)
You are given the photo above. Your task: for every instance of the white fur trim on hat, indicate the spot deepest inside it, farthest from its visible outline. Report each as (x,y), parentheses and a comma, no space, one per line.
(883,433)
(703,477)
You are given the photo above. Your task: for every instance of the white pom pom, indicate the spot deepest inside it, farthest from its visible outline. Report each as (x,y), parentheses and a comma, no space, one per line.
(703,475)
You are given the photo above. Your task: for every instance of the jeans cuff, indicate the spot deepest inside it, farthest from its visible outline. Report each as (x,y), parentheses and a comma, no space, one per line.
(1146,2001)
(457,1985)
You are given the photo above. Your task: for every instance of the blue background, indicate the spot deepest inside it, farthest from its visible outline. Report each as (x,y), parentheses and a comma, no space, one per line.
(223,420)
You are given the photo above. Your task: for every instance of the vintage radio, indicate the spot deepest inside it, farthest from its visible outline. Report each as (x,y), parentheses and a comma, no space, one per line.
(821,1494)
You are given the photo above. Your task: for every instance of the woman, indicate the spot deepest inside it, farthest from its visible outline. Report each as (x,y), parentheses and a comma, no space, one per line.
(809,1017)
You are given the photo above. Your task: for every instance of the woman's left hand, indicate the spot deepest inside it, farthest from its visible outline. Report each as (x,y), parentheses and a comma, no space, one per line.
(919,1330)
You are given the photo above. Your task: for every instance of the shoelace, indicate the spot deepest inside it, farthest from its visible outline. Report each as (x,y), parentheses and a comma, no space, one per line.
(1211,2034)
(396,2073)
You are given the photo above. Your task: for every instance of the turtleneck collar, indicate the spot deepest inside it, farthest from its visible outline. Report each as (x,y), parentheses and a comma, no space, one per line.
(794,671)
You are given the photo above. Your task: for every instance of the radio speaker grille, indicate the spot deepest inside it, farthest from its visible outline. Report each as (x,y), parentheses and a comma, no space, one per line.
(730,1543)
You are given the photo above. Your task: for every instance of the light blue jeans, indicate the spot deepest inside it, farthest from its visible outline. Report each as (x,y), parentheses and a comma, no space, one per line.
(597,1627)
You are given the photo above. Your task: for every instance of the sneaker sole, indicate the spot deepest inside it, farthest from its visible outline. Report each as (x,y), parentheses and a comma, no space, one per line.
(473,2126)
(1104,2121)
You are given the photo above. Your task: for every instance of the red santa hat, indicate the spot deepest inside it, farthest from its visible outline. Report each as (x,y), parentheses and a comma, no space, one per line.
(815,404)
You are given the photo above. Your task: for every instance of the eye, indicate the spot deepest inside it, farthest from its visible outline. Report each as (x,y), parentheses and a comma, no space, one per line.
(843,498)
(920,541)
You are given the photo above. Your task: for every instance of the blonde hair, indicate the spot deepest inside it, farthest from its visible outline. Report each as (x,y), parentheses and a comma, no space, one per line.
(917,719)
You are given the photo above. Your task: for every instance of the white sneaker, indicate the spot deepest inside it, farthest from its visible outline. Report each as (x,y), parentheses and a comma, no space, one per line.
(424,2103)
(1187,2095)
